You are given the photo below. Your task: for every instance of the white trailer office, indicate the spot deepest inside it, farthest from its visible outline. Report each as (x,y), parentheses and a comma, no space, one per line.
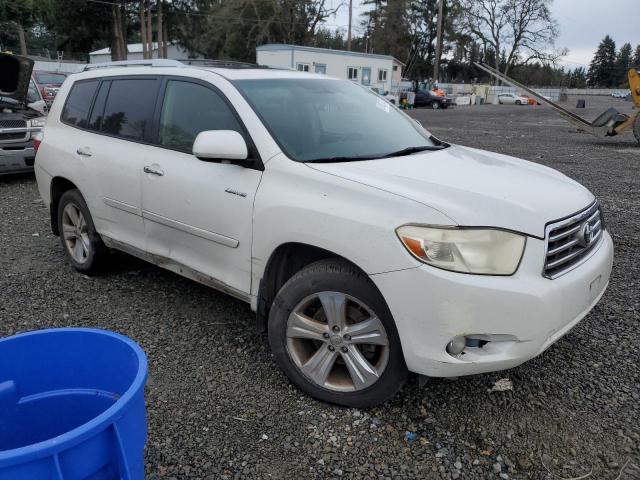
(381,71)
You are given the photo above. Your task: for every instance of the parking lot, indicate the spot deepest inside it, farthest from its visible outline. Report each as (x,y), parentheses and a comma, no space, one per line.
(218,407)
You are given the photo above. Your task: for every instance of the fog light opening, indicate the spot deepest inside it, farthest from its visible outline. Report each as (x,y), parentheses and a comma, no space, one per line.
(458,344)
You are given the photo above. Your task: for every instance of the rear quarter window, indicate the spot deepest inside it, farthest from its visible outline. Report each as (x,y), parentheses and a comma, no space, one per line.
(76,109)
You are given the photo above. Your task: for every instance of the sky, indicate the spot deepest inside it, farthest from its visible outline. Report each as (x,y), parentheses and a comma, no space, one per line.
(583,24)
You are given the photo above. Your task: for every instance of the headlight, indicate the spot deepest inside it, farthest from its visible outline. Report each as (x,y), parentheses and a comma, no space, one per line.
(469,250)
(37,122)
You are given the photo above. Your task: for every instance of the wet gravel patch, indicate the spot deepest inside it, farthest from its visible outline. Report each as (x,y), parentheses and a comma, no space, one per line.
(218,408)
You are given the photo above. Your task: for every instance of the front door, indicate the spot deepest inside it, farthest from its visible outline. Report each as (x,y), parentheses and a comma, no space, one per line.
(198,213)
(366,75)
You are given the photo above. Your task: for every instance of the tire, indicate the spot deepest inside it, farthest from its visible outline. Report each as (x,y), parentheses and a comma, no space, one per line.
(297,344)
(636,128)
(82,244)
(435,105)
(517,102)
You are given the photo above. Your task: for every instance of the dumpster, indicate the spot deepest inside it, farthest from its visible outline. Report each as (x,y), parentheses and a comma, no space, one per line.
(72,406)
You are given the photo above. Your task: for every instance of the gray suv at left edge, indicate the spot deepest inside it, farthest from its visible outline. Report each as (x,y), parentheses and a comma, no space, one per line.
(21,114)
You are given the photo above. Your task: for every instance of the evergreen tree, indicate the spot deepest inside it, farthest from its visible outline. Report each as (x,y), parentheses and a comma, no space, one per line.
(602,71)
(578,78)
(623,63)
(636,57)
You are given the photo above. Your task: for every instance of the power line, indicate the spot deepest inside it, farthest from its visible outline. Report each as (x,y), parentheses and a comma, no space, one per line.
(221,17)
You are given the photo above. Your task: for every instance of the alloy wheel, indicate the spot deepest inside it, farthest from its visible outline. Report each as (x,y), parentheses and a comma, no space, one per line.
(75,233)
(337,342)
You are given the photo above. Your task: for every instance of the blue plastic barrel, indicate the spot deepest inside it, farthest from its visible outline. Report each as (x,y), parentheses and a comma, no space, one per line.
(72,406)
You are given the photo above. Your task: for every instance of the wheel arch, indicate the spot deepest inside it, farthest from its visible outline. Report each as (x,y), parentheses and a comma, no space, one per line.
(59,185)
(284,262)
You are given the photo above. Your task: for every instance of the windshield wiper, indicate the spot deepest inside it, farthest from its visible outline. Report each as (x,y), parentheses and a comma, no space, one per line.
(340,159)
(410,150)
(399,153)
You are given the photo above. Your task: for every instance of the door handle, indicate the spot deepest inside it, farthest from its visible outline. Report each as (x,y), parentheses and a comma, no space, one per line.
(84,151)
(153,171)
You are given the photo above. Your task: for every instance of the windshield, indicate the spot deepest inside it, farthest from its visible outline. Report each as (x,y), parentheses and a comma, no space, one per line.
(332,120)
(46,78)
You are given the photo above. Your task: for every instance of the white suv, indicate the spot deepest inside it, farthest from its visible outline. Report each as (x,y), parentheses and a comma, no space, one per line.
(367,248)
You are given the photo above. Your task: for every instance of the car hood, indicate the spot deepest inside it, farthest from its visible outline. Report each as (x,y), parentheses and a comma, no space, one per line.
(473,187)
(15,74)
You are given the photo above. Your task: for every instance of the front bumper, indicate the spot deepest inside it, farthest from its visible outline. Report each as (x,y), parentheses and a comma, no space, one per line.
(16,157)
(522,315)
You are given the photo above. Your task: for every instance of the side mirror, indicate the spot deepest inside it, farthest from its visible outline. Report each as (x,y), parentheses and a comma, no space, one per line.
(220,145)
(39,106)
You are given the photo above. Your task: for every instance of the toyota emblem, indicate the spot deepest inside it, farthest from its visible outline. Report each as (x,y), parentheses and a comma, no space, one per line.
(586,235)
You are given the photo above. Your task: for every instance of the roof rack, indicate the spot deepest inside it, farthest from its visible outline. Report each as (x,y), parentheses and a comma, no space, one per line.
(204,62)
(158,62)
(164,62)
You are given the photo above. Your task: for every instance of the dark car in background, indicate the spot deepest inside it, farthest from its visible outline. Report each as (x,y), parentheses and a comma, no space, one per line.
(48,84)
(427,98)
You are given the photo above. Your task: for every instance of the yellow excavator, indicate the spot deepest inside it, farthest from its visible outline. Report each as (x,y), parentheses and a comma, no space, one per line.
(608,124)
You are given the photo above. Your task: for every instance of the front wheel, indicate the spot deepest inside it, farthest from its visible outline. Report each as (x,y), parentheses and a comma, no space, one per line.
(332,334)
(517,102)
(78,235)
(435,105)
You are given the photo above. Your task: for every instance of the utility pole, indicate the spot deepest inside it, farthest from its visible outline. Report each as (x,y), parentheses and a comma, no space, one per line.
(349,31)
(436,62)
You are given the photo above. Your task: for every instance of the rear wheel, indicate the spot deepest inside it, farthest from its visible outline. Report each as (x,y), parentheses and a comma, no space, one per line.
(332,334)
(81,242)
(636,128)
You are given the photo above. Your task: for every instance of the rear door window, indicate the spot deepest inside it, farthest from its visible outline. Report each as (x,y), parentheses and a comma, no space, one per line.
(76,109)
(95,122)
(128,111)
(189,109)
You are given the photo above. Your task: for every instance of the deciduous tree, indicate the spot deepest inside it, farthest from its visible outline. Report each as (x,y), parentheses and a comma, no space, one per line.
(20,15)
(517,30)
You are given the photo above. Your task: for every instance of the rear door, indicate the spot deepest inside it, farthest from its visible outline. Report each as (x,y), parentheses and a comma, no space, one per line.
(199,213)
(122,116)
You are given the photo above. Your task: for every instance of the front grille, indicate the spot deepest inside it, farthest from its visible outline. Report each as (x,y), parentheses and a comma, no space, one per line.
(12,136)
(569,242)
(9,136)
(13,124)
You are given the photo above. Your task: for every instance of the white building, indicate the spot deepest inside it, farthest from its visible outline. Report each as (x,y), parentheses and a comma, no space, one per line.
(174,51)
(382,71)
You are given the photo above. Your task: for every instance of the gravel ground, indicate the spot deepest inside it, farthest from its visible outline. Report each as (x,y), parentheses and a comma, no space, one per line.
(218,407)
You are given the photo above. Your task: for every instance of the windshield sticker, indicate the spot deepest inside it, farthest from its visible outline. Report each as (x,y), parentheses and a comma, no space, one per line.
(382,104)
